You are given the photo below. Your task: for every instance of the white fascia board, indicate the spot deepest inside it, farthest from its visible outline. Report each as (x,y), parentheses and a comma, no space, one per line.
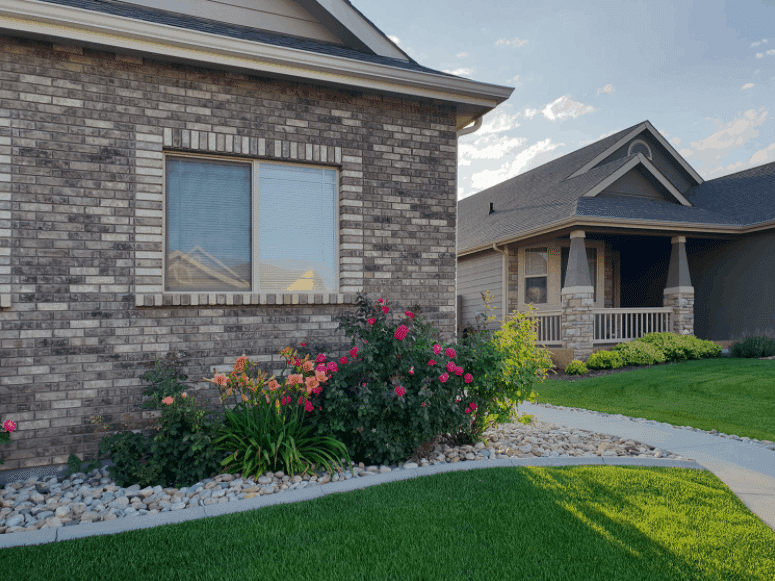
(637,160)
(366,32)
(77,24)
(646,125)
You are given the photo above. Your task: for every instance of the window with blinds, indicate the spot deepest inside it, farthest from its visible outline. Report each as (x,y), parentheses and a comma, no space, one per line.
(250,227)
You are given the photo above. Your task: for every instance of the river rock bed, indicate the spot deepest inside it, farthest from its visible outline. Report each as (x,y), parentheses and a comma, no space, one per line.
(48,503)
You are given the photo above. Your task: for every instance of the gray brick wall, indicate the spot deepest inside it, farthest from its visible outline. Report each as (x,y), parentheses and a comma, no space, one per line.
(82,312)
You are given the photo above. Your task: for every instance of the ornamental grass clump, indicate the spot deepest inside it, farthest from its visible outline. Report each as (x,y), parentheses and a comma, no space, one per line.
(754,347)
(265,429)
(399,387)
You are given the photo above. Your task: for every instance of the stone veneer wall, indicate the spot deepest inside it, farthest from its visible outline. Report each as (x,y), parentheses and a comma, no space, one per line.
(682,301)
(578,322)
(83,310)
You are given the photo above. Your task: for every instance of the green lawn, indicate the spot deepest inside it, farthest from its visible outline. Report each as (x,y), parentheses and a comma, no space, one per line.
(733,396)
(565,523)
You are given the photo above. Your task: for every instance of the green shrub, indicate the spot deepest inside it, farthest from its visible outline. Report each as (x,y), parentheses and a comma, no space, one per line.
(754,347)
(576,367)
(681,347)
(179,454)
(165,379)
(605,360)
(639,353)
(398,388)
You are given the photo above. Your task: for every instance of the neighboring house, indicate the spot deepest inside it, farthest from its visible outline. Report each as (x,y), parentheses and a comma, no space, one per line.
(622,238)
(220,182)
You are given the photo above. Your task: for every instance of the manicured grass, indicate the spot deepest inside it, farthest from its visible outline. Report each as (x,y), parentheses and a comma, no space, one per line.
(733,396)
(570,523)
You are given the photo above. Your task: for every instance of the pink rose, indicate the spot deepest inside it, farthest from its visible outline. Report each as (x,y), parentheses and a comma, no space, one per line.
(472,405)
(443,377)
(342,360)
(401,332)
(468,410)
(320,367)
(400,391)
(431,362)
(303,344)
(379,301)
(451,367)
(168,400)
(308,406)
(458,371)
(9,426)
(320,358)
(468,378)
(372,321)
(353,352)
(423,404)
(332,366)
(386,310)
(437,348)
(450,352)
(411,370)
(409,314)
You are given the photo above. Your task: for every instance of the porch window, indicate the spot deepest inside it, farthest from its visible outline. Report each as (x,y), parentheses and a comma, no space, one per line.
(536,271)
(591,261)
(234,226)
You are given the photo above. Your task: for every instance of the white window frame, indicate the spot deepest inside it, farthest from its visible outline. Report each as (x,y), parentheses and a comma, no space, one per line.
(254,219)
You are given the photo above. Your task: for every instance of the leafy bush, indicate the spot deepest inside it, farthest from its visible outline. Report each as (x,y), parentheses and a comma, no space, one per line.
(639,353)
(754,347)
(576,367)
(397,389)
(265,430)
(180,453)
(605,360)
(681,347)
(166,380)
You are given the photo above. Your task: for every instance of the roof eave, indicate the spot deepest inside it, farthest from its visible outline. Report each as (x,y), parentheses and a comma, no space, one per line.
(94,28)
(592,222)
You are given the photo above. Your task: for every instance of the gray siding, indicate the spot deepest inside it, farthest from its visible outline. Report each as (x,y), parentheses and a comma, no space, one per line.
(634,183)
(475,276)
(734,285)
(663,160)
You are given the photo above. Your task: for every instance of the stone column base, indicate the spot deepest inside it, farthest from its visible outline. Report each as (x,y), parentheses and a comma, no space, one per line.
(578,322)
(681,299)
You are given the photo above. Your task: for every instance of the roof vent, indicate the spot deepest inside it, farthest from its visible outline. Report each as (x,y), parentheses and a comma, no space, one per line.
(491,210)
(639,146)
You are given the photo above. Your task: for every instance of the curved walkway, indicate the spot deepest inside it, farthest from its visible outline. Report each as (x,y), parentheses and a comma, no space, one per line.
(748,470)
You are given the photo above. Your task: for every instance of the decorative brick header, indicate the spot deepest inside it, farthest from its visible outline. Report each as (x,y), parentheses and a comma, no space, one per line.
(152,142)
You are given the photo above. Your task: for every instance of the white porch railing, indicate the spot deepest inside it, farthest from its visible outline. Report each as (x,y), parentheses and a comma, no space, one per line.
(549,327)
(619,325)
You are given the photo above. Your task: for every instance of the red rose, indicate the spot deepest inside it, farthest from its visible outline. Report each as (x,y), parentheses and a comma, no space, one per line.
(372,321)
(450,352)
(386,310)
(401,332)
(400,391)
(409,314)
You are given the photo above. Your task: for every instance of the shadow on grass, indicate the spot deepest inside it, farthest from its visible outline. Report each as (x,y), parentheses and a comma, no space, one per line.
(583,522)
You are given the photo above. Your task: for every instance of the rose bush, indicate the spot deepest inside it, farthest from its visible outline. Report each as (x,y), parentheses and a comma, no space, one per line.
(398,388)
(5,434)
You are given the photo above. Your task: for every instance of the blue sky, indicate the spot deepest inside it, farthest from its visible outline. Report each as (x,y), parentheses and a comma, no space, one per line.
(703,73)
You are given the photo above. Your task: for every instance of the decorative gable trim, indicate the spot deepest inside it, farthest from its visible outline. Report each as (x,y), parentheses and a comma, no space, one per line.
(639,159)
(645,126)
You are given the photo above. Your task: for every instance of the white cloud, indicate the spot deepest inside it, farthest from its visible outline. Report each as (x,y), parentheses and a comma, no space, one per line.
(460,72)
(676,141)
(565,108)
(488,148)
(517,42)
(523,160)
(498,122)
(394,38)
(530,113)
(462,55)
(726,138)
(765,155)
(770,52)
(515,80)
(758,42)
(608,89)
(747,86)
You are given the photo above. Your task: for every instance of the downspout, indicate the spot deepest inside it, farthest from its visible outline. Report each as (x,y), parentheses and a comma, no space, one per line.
(504,278)
(470,128)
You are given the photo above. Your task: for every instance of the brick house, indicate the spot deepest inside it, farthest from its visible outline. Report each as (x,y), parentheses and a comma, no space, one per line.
(619,239)
(218,182)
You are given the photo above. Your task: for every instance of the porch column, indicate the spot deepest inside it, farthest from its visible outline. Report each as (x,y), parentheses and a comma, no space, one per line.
(578,324)
(679,292)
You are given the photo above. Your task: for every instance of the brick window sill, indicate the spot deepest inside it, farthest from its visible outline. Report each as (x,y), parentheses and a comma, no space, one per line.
(240,299)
